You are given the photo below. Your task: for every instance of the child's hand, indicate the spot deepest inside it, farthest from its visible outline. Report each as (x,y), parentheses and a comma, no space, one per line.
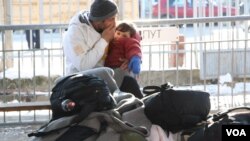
(135,65)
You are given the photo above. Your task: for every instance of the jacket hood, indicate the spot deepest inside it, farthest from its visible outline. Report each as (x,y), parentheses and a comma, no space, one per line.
(80,18)
(137,36)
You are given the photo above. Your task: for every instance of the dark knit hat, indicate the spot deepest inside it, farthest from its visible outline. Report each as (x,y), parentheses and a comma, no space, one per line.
(102,9)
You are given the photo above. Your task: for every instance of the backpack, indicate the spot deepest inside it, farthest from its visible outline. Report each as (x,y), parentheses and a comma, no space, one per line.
(176,110)
(97,126)
(214,128)
(230,119)
(88,92)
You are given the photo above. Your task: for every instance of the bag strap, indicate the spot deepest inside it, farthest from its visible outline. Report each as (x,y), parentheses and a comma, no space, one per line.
(148,90)
(44,133)
(77,119)
(220,115)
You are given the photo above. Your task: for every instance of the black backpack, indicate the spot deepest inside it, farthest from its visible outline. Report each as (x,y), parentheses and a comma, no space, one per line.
(100,125)
(175,110)
(214,129)
(233,118)
(88,92)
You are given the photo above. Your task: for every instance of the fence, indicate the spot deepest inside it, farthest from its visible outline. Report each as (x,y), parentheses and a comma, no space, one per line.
(55,12)
(31,75)
(235,62)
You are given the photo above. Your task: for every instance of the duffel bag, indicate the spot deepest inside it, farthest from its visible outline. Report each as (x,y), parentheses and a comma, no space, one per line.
(229,124)
(175,110)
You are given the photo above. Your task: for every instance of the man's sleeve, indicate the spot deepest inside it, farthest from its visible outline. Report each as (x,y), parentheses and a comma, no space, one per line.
(83,53)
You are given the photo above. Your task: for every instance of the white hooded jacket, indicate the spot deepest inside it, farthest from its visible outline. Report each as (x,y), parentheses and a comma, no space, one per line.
(83,45)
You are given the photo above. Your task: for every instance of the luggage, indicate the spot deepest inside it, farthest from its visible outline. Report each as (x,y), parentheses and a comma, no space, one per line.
(175,110)
(97,126)
(88,93)
(101,124)
(214,128)
(214,131)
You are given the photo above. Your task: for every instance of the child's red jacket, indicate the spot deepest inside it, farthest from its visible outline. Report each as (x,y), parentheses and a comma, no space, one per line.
(124,48)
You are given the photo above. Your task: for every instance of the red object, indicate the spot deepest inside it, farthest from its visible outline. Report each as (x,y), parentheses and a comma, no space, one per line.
(171,11)
(123,48)
(71,105)
(68,105)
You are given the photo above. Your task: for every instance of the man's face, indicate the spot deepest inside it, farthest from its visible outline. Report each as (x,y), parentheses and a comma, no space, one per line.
(110,22)
(106,23)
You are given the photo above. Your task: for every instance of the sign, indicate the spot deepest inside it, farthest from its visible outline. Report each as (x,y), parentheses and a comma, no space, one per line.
(235,132)
(159,34)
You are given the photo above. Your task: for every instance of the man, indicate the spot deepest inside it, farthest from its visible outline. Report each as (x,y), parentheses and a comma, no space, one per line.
(35,35)
(88,36)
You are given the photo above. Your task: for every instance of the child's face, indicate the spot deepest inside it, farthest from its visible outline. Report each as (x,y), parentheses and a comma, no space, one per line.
(119,34)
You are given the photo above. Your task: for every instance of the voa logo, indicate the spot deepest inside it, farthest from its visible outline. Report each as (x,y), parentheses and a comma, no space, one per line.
(236,132)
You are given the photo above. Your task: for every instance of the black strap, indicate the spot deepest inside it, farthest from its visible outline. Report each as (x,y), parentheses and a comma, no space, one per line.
(44,133)
(148,90)
(87,109)
(220,115)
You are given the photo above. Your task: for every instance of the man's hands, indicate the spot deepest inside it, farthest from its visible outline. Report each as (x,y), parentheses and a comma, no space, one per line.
(124,65)
(108,33)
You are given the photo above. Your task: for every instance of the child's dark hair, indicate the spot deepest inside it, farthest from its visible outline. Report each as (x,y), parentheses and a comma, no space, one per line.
(125,27)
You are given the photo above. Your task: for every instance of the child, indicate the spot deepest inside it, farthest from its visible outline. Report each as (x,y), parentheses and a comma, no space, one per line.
(125,46)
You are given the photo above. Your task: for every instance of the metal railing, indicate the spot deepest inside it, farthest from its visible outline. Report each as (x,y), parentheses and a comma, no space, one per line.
(27,75)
